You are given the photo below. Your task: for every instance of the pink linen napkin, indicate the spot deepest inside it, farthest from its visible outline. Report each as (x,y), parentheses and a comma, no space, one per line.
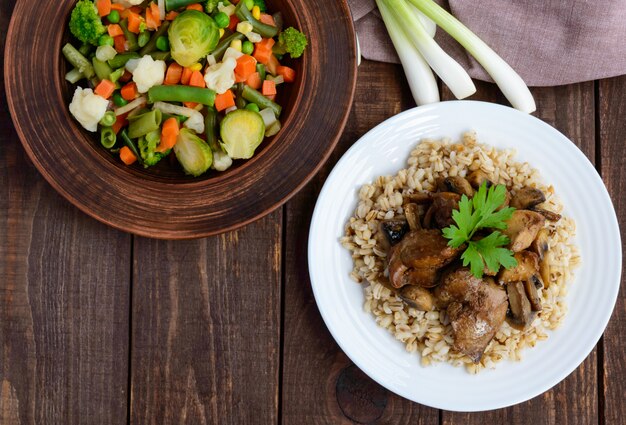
(548,42)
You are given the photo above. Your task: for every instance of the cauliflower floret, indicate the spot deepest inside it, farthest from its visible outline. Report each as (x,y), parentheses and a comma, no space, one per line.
(221,161)
(128,3)
(88,108)
(221,76)
(148,73)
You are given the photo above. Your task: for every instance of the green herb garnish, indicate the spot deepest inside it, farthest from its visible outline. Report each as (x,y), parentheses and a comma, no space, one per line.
(480,213)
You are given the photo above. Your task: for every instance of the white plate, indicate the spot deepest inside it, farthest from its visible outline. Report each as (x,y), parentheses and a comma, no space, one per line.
(592,295)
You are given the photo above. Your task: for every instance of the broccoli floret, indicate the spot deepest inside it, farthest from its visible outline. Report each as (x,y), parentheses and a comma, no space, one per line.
(210,5)
(261,4)
(291,41)
(148,153)
(85,24)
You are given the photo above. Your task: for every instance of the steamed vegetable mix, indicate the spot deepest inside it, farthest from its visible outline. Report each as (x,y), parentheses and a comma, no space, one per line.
(418,52)
(196,81)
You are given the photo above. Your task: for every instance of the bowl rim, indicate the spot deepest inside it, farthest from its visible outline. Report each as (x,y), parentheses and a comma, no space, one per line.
(185,233)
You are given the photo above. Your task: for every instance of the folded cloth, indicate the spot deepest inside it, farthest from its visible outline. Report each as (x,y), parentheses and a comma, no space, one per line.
(548,42)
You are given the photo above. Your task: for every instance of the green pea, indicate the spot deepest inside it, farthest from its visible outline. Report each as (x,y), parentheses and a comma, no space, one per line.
(162,43)
(143,39)
(114,17)
(247,48)
(105,40)
(249,4)
(118,100)
(252,107)
(222,20)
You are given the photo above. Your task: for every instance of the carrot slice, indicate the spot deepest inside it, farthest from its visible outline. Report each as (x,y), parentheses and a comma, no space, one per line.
(134,22)
(263,50)
(184,79)
(195,6)
(156,13)
(127,156)
(170,16)
(129,91)
(246,65)
(269,88)
(117,6)
(169,134)
(267,19)
(119,42)
(234,20)
(196,79)
(120,122)
(190,105)
(225,100)
(254,80)
(173,74)
(152,22)
(104,7)
(105,88)
(114,30)
(289,75)
(272,65)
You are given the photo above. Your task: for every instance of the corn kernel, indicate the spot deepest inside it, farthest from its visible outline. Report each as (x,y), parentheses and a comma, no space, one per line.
(221,32)
(244,27)
(236,44)
(195,67)
(256,12)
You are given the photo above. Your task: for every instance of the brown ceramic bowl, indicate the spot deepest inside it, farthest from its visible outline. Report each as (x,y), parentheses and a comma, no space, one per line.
(163,202)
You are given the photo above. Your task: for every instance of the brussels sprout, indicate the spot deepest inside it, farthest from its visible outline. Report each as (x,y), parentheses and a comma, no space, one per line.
(242,131)
(192,36)
(193,153)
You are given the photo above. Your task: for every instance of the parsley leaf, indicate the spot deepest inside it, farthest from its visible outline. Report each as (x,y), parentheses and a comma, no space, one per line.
(480,213)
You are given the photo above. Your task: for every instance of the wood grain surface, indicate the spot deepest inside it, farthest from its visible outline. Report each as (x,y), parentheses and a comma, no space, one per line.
(163,206)
(612,143)
(99,327)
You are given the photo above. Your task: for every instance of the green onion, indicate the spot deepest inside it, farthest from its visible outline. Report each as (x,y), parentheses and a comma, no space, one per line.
(107,137)
(77,60)
(509,81)
(418,74)
(140,125)
(108,119)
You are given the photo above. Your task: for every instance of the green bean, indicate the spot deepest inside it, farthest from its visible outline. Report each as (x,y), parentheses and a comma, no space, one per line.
(177,4)
(77,60)
(260,68)
(74,76)
(131,38)
(133,148)
(240,102)
(107,137)
(251,95)
(219,51)
(102,69)
(278,21)
(243,13)
(108,119)
(221,19)
(140,125)
(210,128)
(120,59)
(160,56)
(181,94)
(85,49)
(144,38)
(151,46)
(116,75)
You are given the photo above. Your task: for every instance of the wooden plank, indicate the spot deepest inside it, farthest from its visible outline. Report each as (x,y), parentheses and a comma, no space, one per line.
(570,109)
(63,299)
(612,110)
(205,328)
(319,383)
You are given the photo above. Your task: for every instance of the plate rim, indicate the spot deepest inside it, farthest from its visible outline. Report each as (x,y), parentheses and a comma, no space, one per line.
(470,104)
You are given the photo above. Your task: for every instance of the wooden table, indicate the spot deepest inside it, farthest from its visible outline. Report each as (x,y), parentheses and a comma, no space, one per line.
(101,327)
